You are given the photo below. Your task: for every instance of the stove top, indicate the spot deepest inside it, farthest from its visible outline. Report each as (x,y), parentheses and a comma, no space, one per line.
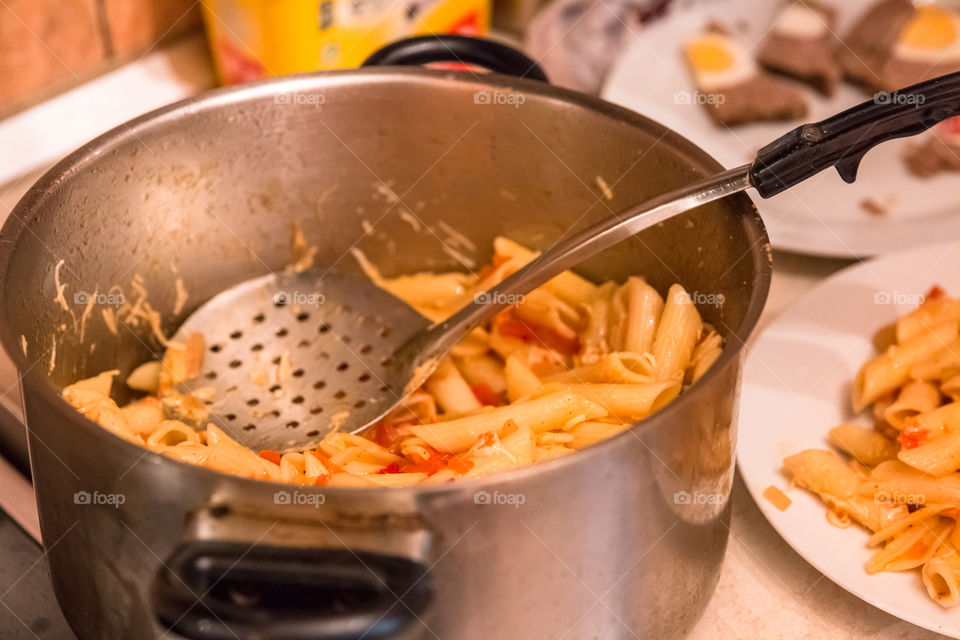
(29,610)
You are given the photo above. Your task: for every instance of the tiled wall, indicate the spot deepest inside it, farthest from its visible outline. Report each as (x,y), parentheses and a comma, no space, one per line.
(49,45)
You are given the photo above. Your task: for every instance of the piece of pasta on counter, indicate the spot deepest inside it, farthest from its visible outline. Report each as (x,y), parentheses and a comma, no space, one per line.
(777,498)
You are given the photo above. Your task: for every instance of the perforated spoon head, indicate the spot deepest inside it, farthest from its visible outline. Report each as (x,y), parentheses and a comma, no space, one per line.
(292,357)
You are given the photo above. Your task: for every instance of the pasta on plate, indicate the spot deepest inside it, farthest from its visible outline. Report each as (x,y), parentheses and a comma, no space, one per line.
(901,479)
(569,364)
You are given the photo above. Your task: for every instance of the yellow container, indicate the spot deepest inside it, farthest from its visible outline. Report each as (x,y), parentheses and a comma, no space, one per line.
(253,39)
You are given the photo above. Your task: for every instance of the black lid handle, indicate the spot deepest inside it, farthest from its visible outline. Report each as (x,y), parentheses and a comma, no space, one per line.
(842,140)
(488,54)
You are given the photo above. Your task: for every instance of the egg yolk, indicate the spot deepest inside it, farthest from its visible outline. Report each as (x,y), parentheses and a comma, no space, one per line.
(930,28)
(709,54)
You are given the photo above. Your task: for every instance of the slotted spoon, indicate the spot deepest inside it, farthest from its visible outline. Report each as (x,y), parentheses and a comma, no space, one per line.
(292,357)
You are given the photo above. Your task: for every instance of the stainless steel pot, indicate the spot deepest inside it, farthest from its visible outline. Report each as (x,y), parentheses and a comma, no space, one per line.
(623,539)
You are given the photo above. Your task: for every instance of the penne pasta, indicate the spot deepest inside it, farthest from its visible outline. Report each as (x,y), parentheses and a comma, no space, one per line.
(616,368)
(914,398)
(170,433)
(824,473)
(568,365)
(890,370)
(450,389)
(941,577)
(483,370)
(596,338)
(144,416)
(864,445)
(548,312)
(901,483)
(676,335)
(937,457)
(540,414)
(629,401)
(567,286)
(913,547)
(640,308)
(929,314)
(704,355)
(945,363)
(521,380)
(590,432)
(935,422)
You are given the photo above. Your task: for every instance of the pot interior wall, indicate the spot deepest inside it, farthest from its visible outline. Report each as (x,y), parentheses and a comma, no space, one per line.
(214,194)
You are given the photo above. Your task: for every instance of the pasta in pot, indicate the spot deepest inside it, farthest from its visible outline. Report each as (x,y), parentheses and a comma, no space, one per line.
(901,479)
(570,364)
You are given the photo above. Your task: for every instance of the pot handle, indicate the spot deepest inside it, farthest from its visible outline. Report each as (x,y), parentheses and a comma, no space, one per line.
(217,591)
(842,140)
(294,582)
(482,52)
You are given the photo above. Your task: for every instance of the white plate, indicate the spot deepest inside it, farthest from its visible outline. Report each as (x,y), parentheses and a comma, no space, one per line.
(822,216)
(796,387)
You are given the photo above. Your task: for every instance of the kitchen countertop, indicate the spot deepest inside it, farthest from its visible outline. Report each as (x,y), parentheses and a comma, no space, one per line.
(765,590)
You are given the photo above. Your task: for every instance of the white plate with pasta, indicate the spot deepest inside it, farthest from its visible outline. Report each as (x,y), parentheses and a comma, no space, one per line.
(883,336)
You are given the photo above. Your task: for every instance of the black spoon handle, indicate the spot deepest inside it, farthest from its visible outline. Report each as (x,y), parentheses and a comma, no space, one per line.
(842,140)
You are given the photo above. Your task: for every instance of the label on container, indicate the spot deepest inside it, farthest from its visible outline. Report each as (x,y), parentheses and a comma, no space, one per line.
(253,39)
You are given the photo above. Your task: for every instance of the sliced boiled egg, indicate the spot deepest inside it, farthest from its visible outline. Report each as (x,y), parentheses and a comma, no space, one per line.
(932,35)
(718,61)
(799,20)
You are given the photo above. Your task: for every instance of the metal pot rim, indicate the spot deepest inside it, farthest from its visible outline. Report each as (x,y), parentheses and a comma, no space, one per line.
(30,206)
